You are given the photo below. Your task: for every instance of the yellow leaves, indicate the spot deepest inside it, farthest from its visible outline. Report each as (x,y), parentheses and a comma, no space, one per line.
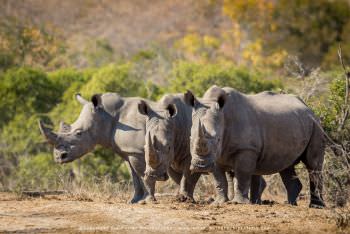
(248,9)
(32,33)
(197,47)
(254,55)
(190,43)
(211,42)
(277,58)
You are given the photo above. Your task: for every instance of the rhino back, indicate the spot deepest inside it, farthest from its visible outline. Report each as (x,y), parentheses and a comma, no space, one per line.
(130,128)
(276,126)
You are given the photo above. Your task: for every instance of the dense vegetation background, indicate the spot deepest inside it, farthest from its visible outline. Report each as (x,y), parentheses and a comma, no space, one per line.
(50,50)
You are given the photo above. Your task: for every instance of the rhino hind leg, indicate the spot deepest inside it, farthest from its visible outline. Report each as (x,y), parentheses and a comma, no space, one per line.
(313,158)
(175,176)
(257,187)
(187,186)
(230,184)
(292,184)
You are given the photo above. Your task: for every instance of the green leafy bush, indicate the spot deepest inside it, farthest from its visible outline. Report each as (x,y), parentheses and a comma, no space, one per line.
(199,77)
(26,90)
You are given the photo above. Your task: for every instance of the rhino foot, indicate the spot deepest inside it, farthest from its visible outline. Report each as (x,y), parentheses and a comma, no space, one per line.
(319,205)
(135,199)
(148,200)
(219,200)
(293,203)
(241,200)
(185,198)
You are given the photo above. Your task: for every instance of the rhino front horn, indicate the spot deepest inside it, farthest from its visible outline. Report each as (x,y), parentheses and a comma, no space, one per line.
(49,135)
(152,154)
(201,134)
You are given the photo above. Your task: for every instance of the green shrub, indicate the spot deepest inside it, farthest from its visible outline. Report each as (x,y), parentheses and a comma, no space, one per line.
(199,77)
(115,78)
(26,90)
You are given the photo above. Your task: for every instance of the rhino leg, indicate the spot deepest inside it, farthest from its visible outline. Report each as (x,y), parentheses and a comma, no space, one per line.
(292,184)
(150,185)
(138,186)
(230,184)
(220,185)
(175,176)
(187,186)
(245,164)
(316,187)
(313,159)
(257,187)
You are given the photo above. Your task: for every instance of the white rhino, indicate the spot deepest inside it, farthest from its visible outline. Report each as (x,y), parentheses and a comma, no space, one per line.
(167,146)
(110,121)
(257,134)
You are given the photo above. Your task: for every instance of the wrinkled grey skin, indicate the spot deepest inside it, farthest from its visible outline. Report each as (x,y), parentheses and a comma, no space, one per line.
(110,121)
(257,134)
(167,146)
(167,142)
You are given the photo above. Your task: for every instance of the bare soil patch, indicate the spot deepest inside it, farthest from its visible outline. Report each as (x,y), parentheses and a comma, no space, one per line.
(65,214)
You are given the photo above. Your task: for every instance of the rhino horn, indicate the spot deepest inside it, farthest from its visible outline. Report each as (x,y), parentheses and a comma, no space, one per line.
(151,151)
(49,135)
(201,135)
(64,127)
(202,144)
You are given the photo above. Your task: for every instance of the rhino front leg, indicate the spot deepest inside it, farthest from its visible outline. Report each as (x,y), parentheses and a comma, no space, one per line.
(150,185)
(220,185)
(187,186)
(138,186)
(257,187)
(245,165)
(230,182)
(137,163)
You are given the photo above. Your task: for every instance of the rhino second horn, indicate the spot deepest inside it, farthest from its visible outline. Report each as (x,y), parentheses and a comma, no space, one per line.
(64,127)
(50,136)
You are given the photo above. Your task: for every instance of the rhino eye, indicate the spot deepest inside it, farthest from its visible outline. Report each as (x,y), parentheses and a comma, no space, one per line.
(78,133)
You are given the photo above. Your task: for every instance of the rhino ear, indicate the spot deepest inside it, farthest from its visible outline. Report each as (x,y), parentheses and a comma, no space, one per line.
(222,100)
(190,98)
(172,110)
(80,99)
(143,108)
(96,100)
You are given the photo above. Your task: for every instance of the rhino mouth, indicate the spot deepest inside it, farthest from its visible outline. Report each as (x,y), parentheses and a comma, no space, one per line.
(202,165)
(63,157)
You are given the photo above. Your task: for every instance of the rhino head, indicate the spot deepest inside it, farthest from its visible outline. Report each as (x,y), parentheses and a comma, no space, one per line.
(159,139)
(73,141)
(206,130)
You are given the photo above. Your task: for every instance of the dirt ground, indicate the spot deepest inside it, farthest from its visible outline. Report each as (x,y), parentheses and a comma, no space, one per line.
(65,214)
